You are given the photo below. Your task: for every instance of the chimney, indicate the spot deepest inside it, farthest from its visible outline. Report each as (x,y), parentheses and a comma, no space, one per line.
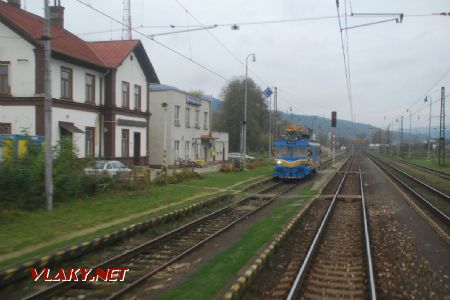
(57,14)
(15,3)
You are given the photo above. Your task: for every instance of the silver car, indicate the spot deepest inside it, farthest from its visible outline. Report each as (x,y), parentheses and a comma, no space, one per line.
(108,167)
(237,155)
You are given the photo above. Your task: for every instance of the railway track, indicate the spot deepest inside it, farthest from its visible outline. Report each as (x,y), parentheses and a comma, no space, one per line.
(152,257)
(338,263)
(435,202)
(432,171)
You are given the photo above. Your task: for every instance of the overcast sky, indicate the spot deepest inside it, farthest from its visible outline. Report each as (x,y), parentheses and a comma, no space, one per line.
(392,65)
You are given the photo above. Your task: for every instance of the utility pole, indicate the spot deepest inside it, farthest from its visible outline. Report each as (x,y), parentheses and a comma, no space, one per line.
(441,155)
(410,136)
(48,109)
(401,136)
(275,108)
(164,162)
(428,98)
(270,126)
(388,139)
(126,27)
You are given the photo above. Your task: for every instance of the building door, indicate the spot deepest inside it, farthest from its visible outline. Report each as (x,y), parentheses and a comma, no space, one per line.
(136,148)
(205,150)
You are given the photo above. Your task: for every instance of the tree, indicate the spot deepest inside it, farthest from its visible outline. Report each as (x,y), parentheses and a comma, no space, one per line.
(232,115)
(196,93)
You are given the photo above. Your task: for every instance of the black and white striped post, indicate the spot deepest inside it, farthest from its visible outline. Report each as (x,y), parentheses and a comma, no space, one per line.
(164,160)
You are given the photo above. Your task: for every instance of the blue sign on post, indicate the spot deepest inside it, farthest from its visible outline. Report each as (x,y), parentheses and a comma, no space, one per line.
(267,92)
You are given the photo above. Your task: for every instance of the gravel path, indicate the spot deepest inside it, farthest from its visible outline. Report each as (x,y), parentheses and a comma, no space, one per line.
(411,260)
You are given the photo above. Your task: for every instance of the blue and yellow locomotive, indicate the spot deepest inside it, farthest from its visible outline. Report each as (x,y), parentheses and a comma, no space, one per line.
(295,155)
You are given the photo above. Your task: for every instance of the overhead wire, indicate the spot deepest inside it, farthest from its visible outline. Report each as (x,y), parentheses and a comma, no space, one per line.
(432,87)
(222,44)
(345,63)
(157,42)
(348,60)
(427,93)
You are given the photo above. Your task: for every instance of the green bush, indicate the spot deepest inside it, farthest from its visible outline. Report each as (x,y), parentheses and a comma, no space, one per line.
(186,174)
(22,179)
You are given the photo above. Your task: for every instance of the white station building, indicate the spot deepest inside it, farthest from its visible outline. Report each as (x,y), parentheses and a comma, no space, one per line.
(185,121)
(99,89)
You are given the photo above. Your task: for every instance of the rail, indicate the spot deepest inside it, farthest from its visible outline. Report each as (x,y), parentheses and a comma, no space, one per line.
(432,208)
(439,173)
(293,293)
(59,288)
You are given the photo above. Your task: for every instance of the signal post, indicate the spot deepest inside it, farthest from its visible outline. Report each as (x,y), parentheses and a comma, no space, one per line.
(333,134)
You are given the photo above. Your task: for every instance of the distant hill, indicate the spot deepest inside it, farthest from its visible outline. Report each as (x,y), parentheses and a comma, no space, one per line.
(345,128)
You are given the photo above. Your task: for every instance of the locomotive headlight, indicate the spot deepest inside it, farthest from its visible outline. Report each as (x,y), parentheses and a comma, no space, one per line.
(278,162)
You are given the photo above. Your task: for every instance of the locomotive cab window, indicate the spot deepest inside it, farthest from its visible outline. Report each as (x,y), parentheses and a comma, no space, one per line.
(299,151)
(281,151)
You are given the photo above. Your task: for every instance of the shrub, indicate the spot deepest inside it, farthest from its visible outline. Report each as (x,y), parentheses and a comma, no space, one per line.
(186,174)
(22,179)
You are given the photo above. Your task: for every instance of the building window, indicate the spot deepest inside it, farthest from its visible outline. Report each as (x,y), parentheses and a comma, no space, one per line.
(125,94)
(4,79)
(5,128)
(90,141)
(197,117)
(188,117)
(177,116)
(186,150)
(125,142)
(177,150)
(66,83)
(137,97)
(90,88)
(205,121)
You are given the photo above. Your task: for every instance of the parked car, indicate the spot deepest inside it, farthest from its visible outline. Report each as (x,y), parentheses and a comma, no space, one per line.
(108,167)
(237,155)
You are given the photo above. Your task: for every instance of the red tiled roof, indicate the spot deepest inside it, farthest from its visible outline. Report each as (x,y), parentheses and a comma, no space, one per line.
(31,26)
(113,53)
(108,54)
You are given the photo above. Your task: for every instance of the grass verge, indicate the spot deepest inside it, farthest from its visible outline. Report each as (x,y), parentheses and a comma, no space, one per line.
(20,229)
(208,281)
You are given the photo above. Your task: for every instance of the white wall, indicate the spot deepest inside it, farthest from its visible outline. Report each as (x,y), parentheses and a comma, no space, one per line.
(174,133)
(14,48)
(78,81)
(141,130)
(131,72)
(80,119)
(22,118)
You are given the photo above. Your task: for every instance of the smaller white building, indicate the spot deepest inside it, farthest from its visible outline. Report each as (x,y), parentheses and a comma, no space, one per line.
(182,122)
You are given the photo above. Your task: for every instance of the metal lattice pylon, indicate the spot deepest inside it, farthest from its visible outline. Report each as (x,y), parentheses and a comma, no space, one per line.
(126,24)
(441,154)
